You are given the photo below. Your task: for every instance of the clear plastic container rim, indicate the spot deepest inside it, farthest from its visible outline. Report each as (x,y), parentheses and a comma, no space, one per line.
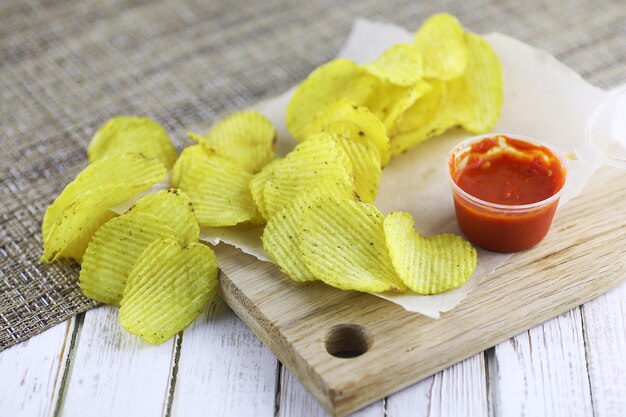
(506,207)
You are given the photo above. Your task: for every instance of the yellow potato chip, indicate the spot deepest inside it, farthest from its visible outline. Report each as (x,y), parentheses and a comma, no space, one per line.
(399,65)
(427,265)
(190,156)
(173,206)
(340,78)
(320,156)
(167,289)
(280,236)
(342,115)
(133,172)
(441,40)
(257,185)
(128,134)
(389,102)
(113,250)
(483,83)
(247,138)
(343,244)
(218,190)
(366,165)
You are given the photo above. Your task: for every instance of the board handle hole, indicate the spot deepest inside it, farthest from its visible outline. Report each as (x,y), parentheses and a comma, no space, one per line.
(348,341)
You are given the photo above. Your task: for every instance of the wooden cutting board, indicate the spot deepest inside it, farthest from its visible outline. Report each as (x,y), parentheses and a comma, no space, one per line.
(308,325)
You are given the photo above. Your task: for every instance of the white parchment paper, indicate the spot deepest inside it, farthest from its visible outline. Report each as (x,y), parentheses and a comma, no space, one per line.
(543,99)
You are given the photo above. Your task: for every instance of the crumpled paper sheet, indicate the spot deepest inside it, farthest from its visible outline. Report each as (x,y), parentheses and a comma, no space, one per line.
(543,99)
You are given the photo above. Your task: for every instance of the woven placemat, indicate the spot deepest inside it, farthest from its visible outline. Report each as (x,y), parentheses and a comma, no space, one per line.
(66,67)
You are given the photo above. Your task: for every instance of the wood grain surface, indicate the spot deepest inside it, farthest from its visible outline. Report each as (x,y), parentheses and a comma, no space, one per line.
(578,261)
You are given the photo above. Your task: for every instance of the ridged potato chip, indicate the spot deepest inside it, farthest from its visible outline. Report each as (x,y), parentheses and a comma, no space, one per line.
(427,265)
(247,138)
(113,250)
(129,134)
(366,166)
(167,289)
(399,65)
(173,206)
(441,40)
(340,78)
(257,185)
(320,156)
(218,189)
(343,244)
(281,235)
(190,157)
(483,85)
(341,117)
(389,102)
(66,229)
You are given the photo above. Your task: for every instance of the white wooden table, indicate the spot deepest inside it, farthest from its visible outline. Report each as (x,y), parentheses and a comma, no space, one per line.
(573,365)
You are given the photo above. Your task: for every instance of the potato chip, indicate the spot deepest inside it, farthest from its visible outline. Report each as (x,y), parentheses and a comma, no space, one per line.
(399,65)
(280,236)
(128,134)
(190,156)
(483,83)
(343,244)
(247,138)
(131,172)
(441,40)
(257,185)
(342,115)
(218,190)
(340,78)
(427,265)
(389,102)
(113,250)
(366,166)
(312,160)
(167,289)
(175,208)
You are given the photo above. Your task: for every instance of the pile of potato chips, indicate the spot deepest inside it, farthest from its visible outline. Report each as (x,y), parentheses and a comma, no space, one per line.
(316,202)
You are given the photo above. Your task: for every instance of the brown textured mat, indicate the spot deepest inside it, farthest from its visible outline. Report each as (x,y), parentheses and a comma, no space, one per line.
(65,67)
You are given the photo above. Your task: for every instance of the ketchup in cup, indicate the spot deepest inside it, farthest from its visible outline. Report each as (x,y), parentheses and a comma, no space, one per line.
(506,189)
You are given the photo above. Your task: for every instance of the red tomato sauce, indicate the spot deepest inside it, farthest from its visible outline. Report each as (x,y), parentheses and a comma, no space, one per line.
(509,173)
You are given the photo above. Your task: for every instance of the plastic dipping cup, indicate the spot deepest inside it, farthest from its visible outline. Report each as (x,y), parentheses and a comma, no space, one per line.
(495,226)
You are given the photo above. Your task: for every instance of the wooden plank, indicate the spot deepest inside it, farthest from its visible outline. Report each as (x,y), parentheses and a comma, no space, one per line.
(31,372)
(604,321)
(223,369)
(114,373)
(543,371)
(296,400)
(578,261)
(460,390)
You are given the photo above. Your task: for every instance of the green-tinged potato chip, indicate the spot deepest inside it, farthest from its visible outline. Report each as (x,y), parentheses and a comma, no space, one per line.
(389,102)
(247,138)
(340,78)
(190,156)
(399,65)
(320,156)
(175,208)
(341,117)
(343,244)
(441,40)
(366,165)
(483,83)
(218,189)
(280,236)
(128,134)
(257,185)
(113,251)
(118,178)
(167,289)
(427,265)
